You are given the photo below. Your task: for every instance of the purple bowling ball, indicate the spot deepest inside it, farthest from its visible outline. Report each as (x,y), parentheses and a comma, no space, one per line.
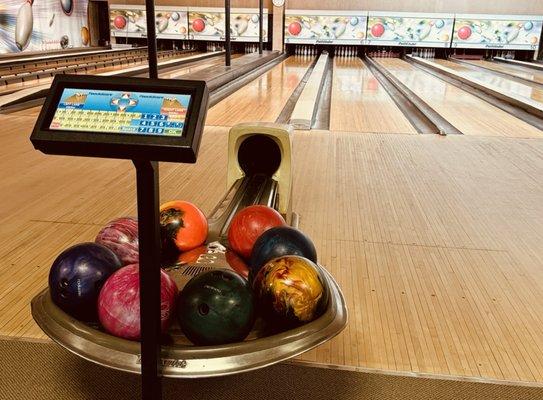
(77,275)
(121,236)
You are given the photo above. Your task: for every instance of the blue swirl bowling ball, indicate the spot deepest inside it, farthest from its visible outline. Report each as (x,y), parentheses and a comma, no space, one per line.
(353,21)
(439,24)
(77,275)
(528,25)
(278,242)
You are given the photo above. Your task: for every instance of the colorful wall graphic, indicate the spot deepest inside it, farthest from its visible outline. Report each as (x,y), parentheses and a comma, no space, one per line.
(409,29)
(127,22)
(335,27)
(171,22)
(497,32)
(130,21)
(182,23)
(31,25)
(208,24)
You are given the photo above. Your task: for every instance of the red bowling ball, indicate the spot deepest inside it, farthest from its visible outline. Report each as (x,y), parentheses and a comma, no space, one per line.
(295,28)
(377,30)
(464,32)
(247,226)
(119,302)
(198,25)
(119,22)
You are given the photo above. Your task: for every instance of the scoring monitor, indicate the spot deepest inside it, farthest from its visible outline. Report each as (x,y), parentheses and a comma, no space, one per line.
(157,120)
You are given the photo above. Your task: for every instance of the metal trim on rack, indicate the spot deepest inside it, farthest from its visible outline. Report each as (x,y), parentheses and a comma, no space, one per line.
(187,361)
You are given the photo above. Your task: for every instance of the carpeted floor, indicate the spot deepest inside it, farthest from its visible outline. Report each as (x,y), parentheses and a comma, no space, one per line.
(45,371)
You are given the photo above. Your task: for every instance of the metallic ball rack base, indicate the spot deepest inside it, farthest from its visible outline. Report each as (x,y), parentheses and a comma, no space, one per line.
(182,360)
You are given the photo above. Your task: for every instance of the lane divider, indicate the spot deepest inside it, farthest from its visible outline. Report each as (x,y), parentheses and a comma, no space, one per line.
(304,112)
(421,115)
(506,75)
(531,106)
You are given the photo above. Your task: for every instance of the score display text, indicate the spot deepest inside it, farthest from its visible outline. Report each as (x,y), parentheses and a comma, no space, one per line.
(123,112)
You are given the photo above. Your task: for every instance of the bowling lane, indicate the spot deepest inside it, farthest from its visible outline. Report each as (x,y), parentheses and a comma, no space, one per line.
(210,62)
(507,85)
(524,73)
(360,103)
(468,113)
(262,99)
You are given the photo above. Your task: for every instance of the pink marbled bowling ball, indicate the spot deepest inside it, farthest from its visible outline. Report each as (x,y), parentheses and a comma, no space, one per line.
(121,236)
(119,302)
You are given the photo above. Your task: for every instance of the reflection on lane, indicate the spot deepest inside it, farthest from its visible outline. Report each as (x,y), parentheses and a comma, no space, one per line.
(468,113)
(506,85)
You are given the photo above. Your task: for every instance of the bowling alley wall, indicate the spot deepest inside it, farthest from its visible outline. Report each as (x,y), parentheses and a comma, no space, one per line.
(429,6)
(40,25)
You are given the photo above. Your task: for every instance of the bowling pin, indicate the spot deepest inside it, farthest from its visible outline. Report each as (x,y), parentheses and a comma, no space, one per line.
(24,25)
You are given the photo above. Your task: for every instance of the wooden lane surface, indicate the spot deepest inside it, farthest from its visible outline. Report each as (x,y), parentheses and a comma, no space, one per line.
(435,241)
(360,104)
(180,71)
(524,73)
(506,85)
(262,99)
(468,113)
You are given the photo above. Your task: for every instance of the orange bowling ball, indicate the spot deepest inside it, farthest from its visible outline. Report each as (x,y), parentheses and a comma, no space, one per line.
(183,226)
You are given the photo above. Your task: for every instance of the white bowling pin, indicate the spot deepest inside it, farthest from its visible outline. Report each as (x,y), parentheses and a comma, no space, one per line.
(24,25)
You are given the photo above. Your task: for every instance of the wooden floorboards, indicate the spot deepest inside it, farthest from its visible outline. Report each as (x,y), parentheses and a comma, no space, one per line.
(262,99)
(360,103)
(435,241)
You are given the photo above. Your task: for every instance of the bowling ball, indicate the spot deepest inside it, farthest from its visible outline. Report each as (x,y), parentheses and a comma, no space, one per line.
(175,16)
(247,226)
(216,307)
(183,226)
(294,28)
(353,21)
(119,22)
(377,30)
(121,236)
(254,18)
(85,36)
(280,241)
(464,32)
(528,25)
(64,41)
(119,302)
(67,6)
(290,291)
(198,25)
(439,24)
(77,275)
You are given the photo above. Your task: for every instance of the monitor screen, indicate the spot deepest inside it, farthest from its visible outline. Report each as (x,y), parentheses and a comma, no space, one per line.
(125,112)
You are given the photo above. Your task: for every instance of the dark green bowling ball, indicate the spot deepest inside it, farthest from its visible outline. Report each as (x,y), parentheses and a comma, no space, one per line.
(216,307)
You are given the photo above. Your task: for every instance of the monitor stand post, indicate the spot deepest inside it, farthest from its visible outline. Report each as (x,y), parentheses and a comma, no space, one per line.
(149,253)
